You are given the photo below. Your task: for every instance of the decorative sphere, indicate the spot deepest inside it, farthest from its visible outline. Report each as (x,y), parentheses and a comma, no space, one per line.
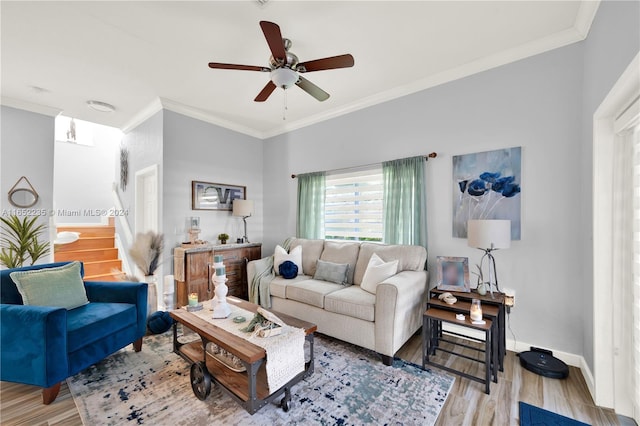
(288,270)
(159,322)
(482,289)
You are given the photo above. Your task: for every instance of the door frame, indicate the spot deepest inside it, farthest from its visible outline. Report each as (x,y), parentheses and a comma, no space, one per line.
(151,171)
(605,304)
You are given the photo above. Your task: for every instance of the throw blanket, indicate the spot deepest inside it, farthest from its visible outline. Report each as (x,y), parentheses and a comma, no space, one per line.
(259,289)
(285,352)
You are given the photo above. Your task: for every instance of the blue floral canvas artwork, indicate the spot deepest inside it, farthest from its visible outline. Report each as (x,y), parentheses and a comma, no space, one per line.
(487,185)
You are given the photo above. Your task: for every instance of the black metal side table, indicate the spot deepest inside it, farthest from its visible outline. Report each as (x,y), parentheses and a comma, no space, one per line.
(432,320)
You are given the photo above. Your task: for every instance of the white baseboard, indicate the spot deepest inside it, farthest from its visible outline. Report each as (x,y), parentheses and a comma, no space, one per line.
(517,346)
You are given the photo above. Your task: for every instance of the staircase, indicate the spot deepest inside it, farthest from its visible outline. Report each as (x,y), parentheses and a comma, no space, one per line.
(95,249)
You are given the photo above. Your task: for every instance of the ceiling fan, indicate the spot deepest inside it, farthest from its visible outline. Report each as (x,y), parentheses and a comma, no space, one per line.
(285,68)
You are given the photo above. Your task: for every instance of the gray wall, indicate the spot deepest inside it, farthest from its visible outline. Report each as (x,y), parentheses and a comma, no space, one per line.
(26,149)
(195,150)
(613,42)
(533,103)
(145,147)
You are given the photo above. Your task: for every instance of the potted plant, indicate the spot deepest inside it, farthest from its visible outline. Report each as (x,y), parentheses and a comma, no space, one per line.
(223,238)
(146,252)
(20,241)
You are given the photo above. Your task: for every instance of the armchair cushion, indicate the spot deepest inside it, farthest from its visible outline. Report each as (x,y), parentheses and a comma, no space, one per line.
(90,323)
(61,286)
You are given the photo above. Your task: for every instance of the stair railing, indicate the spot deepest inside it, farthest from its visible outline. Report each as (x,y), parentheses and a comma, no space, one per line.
(124,241)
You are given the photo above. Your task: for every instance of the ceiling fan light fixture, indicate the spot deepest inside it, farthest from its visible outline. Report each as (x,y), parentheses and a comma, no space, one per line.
(284,77)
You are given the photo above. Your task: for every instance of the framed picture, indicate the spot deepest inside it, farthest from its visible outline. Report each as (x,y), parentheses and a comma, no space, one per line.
(215,196)
(487,185)
(453,274)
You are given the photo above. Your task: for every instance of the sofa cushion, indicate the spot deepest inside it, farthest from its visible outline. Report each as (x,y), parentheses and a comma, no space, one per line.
(352,301)
(280,256)
(377,271)
(311,251)
(410,258)
(332,272)
(288,270)
(278,286)
(94,321)
(342,253)
(311,292)
(61,286)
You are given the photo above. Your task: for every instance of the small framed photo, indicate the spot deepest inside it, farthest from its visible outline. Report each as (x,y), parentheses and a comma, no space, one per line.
(215,196)
(453,274)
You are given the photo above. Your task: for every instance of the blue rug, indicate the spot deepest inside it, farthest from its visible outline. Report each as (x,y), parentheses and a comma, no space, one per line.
(534,416)
(350,386)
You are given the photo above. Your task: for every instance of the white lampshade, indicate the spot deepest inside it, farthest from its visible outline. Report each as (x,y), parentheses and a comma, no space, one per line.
(284,77)
(242,207)
(489,234)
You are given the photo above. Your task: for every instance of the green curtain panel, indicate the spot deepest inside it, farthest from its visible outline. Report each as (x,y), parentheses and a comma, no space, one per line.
(404,200)
(311,188)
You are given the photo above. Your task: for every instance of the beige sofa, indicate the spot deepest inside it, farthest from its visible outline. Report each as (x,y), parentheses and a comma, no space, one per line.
(382,322)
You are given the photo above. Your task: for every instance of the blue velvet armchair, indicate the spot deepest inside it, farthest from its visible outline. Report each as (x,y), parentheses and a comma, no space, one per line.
(43,345)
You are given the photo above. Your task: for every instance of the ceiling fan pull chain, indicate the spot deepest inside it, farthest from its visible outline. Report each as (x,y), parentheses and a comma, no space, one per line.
(284,110)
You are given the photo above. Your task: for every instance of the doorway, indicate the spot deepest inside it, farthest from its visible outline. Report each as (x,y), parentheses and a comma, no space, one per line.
(146,199)
(616,268)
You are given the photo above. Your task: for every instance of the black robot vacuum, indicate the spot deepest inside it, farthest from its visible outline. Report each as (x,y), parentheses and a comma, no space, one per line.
(542,362)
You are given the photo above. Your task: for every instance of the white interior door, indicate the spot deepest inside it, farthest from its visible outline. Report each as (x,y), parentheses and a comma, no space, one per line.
(147,199)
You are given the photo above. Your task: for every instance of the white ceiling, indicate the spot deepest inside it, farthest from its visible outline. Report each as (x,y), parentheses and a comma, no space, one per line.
(137,55)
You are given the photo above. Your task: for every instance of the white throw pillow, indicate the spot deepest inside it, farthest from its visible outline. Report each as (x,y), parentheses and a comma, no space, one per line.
(280,256)
(377,271)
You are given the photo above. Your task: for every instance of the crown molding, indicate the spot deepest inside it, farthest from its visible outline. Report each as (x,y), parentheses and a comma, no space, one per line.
(143,115)
(578,32)
(586,13)
(29,106)
(209,117)
(554,41)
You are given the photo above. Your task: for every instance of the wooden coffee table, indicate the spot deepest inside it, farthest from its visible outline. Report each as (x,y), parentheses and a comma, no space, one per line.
(248,388)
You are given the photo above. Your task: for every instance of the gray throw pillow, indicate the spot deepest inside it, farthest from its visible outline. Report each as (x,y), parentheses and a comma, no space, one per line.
(60,286)
(332,272)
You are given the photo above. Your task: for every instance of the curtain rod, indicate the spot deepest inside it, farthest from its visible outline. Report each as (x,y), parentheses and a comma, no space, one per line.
(426,157)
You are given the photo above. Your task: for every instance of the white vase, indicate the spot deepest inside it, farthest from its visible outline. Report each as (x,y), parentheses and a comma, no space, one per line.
(152,295)
(168,292)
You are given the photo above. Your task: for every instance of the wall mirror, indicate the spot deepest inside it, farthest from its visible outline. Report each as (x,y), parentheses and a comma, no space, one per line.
(23,196)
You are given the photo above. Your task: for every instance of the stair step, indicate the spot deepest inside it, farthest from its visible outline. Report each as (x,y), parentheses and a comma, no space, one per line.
(90,230)
(101,277)
(87,255)
(102,267)
(87,244)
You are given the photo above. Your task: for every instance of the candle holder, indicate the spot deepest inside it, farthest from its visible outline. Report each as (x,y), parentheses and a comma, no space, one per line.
(221,308)
(475,312)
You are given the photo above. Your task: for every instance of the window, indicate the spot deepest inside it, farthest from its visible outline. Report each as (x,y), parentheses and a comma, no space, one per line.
(353,205)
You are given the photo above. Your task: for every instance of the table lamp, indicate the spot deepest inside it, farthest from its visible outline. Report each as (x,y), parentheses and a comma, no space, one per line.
(489,235)
(243,208)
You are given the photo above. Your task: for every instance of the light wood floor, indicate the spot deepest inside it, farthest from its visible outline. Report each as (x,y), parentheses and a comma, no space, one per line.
(467,403)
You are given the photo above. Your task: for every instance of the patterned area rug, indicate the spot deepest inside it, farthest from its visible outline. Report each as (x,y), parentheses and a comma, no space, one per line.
(350,386)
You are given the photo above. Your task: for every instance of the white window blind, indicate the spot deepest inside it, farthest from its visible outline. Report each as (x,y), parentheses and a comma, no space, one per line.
(353,205)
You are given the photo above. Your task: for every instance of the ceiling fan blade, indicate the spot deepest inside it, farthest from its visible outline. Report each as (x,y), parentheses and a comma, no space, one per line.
(333,62)
(312,89)
(218,65)
(274,40)
(266,92)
